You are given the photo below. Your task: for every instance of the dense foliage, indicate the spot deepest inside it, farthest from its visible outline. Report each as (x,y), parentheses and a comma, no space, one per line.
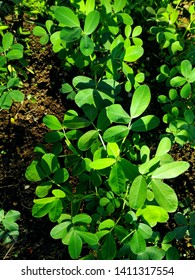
(122,191)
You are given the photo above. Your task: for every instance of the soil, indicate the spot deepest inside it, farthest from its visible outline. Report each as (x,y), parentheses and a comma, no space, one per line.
(21,129)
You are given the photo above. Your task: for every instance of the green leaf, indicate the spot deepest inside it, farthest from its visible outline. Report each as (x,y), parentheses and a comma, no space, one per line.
(191,78)
(74,122)
(69,35)
(186,68)
(153,214)
(66,16)
(40,210)
(107,224)
(172,254)
(90,6)
(133,53)
(13,82)
(83,82)
(82,218)
(84,97)
(130,170)
(14,54)
(61,175)
(86,45)
(115,133)
(58,193)
(119,5)
(138,192)
(137,243)
(49,163)
(137,31)
(52,122)
(186,90)
(145,230)
(117,114)
(75,245)
(170,170)
(34,172)
(16,95)
(180,232)
(53,136)
(113,150)
(164,195)
(155,253)
(145,123)
(91,22)
(108,250)
(88,237)
(148,166)
(177,81)
(7,41)
(87,140)
(60,230)
(104,201)
(116,179)
(39,31)
(56,210)
(140,101)
(163,147)
(12,215)
(102,163)
(43,189)
(44,200)
(2,214)
(10,225)
(180,219)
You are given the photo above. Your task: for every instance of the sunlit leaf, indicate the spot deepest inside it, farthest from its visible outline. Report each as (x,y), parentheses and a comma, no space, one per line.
(138,192)
(66,16)
(140,101)
(170,170)
(115,133)
(164,195)
(91,22)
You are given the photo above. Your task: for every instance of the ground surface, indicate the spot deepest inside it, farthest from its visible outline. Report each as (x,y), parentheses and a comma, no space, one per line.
(18,140)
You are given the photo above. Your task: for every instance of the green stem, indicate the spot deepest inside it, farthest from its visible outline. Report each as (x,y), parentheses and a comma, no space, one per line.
(101,139)
(69,144)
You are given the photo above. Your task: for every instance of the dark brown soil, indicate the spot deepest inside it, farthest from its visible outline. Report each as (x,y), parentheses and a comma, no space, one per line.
(21,129)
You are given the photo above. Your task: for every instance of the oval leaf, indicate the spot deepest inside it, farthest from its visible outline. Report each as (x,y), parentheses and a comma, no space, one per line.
(88,237)
(137,243)
(163,147)
(153,214)
(66,16)
(87,140)
(82,218)
(75,245)
(133,53)
(102,163)
(91,22)
(117,180)
(164,195)
(115,133)
(86,45)
(170,170)
(138,192)
(109,247)
(140,101)
(52,122)
(145,123)
(117,114)
(60,230)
